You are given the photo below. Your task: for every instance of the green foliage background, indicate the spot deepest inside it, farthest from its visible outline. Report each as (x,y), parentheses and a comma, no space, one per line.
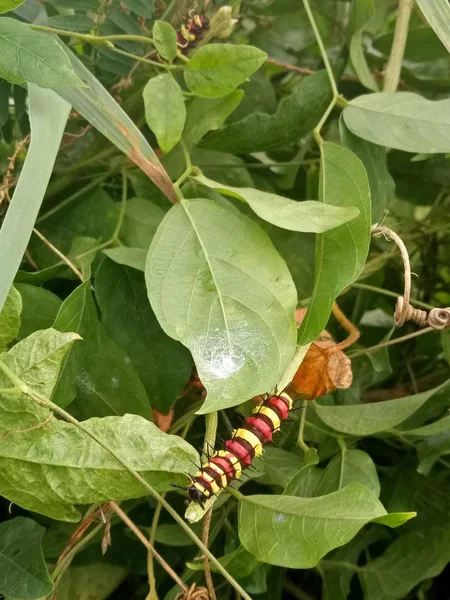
(173,209)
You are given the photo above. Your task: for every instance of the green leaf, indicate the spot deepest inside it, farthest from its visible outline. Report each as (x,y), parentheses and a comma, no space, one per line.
(39,309)
(48,117)
(305,481)
(217,284)
(361,14)
(141,221)
(143,8)
(163,365)
(374,160)
(395,519)
(401,120)
(79,471)
(216,70)
(109,385)
(165,111)
(208,114)
(96,581)
(410,559)
(340,253)
(367,419)
(77,313)
(431,449)
(173,535)
(297,532)
(9,5)
(422,45)
(129,257)
(296,116)
(31,56)
(10,318)
(436,428)
(23,573)
(37,361)
(349,466)
(79,23)
(437,14)
(308,216)
(165,38)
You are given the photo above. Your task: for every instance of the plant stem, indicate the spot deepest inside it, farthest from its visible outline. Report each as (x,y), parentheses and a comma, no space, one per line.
(394,65)
(42,401)
(141,537)
(403,338)
(100,40)
(188,162)
(147,61)
(123,207)
(58,253)
(152,595)
(205,536)
(333,85)
(300,441)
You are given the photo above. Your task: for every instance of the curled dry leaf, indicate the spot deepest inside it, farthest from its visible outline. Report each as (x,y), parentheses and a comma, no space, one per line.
(163,421)
(324,369)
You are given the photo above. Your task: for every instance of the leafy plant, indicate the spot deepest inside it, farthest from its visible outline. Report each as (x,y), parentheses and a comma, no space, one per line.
(177,179)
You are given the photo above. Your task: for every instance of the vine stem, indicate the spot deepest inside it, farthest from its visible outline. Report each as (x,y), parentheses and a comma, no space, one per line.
(300,441)
(394,65)
(211,422)
(331,78)
(42,401)
(94,39)
(403,338)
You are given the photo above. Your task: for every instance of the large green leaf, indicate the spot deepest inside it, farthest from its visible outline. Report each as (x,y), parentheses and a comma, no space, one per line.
(78,314)
(340,253)
(410,559)
(37,361)
(10,318)
(208,114)
(48,470)
(217,284)
(308,216)
(297,532)
(367,419)
(109,384)
(23,573)
(349,466)
(165,111)
(216,70)
(437,13)
(401,120)
(48,117)
(163,365)
(141,221)
(30,56)
(39,309)
(296,115)
(374,160)
(129,257)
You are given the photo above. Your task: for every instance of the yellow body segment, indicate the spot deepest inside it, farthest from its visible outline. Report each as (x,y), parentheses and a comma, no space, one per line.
(212,482)
(202,489)
(252,439)
(271,414)
(219,471)
(288,398)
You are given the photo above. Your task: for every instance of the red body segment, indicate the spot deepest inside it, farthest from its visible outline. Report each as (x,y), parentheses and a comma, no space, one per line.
(280,405)
(256,422)
(225,464)
(239,450)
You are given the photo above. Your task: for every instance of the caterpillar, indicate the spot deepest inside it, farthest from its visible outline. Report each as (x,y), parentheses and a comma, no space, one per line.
(247,442)
(192,31)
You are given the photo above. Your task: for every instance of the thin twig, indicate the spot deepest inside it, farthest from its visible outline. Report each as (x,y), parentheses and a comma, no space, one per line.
(394,65)
(404,338)
(62,256)
(300,441)
(126,519)
(206,565)
(152,595)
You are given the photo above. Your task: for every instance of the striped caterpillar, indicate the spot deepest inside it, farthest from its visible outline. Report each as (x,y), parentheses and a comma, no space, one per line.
(237,454)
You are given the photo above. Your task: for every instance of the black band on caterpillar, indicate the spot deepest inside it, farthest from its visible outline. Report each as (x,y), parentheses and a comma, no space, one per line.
(237,454)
